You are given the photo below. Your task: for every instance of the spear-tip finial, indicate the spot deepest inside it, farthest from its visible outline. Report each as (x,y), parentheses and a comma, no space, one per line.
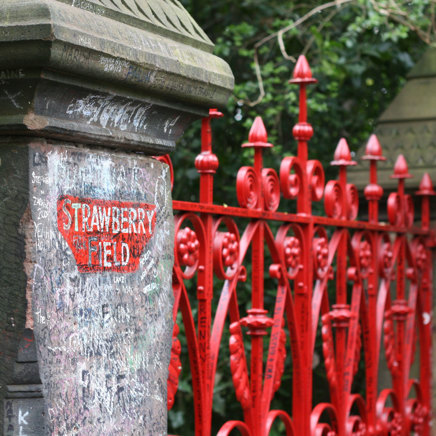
(302,72)
(342,156)
(373,150)
(401,170)
(257,136)
(426,186)
(215,113)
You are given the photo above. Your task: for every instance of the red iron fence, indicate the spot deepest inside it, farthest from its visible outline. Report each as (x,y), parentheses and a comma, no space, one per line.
(380,307)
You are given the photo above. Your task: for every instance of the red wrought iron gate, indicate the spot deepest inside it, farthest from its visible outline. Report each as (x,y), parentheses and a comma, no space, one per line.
(381,304)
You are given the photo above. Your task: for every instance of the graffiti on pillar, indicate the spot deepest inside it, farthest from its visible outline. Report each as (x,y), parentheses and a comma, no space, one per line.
(105,235)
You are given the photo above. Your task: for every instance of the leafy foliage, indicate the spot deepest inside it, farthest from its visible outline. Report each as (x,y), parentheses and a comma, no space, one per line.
(359,50)
(359,55)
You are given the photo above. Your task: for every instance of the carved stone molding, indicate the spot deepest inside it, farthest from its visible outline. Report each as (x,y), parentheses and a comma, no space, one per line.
(129,74)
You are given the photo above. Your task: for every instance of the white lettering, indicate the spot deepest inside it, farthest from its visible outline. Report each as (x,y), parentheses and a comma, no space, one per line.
(116,262)
(22,417)
(132,218)
(67,213)
(100,252)
(94,220)
(115,219)
(85,217)
(125,254)
(76,206)
(150,214)
(92,249)
(106,252)
(124,219)
(141,216)
(104,218)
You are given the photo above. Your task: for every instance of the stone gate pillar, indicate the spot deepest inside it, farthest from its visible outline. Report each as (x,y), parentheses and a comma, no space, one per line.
(88,90)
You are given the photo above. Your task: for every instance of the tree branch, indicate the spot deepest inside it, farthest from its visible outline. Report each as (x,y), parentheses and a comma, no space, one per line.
(337,3)
(279,36)
(393,12)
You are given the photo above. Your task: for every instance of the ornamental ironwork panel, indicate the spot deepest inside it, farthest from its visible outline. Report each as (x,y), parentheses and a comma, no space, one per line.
(365,285)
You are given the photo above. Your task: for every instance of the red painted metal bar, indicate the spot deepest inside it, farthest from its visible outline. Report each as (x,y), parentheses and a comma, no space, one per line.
(366,285)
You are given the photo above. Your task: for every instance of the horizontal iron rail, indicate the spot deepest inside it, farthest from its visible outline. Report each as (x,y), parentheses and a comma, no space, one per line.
(213,209)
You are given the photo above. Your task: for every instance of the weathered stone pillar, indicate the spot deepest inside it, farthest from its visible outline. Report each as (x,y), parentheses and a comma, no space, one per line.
(88,88)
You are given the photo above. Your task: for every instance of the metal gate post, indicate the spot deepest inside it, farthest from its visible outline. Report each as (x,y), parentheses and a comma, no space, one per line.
(88,89)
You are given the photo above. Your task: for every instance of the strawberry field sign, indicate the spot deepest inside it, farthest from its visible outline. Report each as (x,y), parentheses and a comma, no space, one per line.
(105,235)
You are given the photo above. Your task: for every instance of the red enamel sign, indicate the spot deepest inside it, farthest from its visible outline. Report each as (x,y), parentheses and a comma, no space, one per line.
(105,235)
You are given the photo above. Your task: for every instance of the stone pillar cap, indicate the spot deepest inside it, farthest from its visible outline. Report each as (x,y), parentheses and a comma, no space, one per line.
(124,73)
